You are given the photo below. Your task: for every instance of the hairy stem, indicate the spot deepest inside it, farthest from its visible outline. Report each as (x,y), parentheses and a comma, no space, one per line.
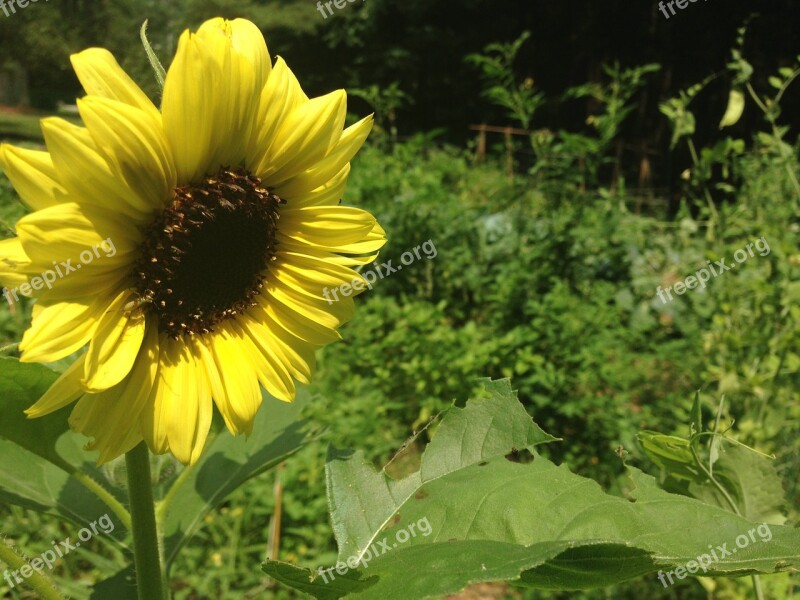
(149,573)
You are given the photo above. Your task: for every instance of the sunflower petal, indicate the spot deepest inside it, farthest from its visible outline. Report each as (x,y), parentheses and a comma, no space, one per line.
(64,391)
(309,318)
(133,144)
(326,225)
(154,419)
(243,60)
(295,354)
(269,365)
(310,275)
(77,246)
(85,173)
(13,263)
(189,409)
(372,242)
(112,417)
(33,175)
(211,96)
(189,109)
(100,75)
(308,133)
(280,96)
(346,147)
(115,345)
(297,324)
(328,194)
(57,330)
(233,379)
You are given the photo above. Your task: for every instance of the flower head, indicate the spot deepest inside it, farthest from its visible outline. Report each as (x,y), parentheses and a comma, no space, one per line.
(187,247)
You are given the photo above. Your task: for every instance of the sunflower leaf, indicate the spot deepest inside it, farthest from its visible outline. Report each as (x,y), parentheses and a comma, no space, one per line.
(474,513)
(20,386)
(40,457)
(158,68)
(120,586)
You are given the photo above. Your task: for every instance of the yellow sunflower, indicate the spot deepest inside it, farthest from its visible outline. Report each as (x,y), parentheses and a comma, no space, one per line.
(188,247)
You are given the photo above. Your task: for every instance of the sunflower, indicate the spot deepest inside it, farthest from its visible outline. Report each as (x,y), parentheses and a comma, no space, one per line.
(222,210)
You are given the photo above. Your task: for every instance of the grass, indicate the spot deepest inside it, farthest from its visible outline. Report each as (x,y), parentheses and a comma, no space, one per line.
(15,125)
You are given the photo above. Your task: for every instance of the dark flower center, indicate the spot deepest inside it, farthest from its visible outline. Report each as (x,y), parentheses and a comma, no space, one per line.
(204,258)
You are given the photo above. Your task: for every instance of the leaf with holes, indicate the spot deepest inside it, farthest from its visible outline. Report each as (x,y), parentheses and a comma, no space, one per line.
(473,513)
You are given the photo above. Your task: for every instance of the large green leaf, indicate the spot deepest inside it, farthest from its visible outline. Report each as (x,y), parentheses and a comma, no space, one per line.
(42,459)
(363,502)
(471,514)
(228,462)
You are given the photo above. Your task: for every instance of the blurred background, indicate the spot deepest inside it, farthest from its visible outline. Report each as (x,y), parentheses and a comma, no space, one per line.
(566,159)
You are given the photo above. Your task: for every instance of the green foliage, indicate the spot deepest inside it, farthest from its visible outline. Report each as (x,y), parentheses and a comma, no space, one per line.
(563,157)
(677,111)
(20,126)
(521,100)
(615,97)
(716,469)
(726,155)
(546,278)
(474,513)
(385,102)
(48,471)
(45,463)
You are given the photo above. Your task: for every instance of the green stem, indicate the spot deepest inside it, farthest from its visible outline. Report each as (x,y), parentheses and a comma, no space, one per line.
(149,574)
(709,201)
(776,134)
(757,587)
(762,409)
(115,505)
(8,348)
(711,478)
(8,227)
(36,581)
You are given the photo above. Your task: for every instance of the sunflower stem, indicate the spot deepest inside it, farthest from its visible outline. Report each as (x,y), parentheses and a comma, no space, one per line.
(149,574)
(37,582)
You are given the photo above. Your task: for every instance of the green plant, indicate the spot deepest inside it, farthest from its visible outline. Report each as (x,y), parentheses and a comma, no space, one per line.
(521,100)
(484,506)
(386,102)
